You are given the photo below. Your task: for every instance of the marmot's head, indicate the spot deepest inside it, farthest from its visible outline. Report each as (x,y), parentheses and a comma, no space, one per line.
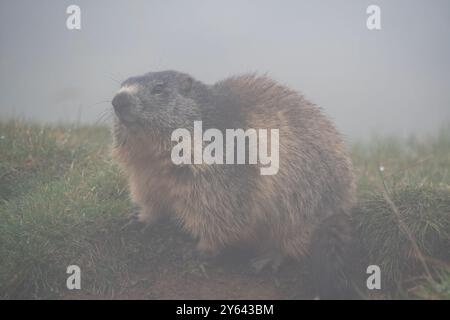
(163,100)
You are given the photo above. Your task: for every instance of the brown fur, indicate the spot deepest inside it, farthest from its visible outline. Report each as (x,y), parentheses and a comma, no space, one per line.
(221,205)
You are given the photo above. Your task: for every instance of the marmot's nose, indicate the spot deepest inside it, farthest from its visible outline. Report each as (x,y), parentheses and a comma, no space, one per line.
(122,100)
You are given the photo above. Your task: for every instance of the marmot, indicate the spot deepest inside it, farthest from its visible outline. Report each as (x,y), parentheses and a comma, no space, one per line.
(300,212)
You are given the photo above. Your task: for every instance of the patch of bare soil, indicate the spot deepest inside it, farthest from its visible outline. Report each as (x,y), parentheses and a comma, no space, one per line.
(168,268)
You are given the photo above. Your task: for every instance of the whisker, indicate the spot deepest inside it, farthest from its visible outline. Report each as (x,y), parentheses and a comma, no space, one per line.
(113,79)
(100,102)
(104,116)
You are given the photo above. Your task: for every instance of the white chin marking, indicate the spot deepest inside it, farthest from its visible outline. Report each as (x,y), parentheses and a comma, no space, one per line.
(131,89)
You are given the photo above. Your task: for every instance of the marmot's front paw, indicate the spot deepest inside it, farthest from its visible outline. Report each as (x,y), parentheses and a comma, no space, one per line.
(133,223)
(140,221)
(272,260)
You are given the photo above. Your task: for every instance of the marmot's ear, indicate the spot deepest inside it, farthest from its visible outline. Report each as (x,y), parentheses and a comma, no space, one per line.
(186,85)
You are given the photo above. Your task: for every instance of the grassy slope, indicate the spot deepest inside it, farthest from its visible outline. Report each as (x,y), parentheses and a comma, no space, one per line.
(62,202)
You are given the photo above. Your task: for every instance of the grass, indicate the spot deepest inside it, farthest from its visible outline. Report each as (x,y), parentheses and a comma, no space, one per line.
(402,220)
(59,194)
(63,202)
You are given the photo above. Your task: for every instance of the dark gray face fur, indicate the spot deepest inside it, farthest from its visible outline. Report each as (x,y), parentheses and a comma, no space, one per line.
(158,100)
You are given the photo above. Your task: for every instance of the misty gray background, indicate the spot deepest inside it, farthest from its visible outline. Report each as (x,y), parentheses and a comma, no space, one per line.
(393,81)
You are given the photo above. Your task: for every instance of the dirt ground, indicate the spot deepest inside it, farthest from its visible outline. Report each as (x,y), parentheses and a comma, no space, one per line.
(174,272)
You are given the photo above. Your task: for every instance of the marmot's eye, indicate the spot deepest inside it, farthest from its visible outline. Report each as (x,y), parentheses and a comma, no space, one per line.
(158,88)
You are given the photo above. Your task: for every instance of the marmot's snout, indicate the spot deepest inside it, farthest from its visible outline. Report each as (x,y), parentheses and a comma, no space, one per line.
(123,103)
(122,100)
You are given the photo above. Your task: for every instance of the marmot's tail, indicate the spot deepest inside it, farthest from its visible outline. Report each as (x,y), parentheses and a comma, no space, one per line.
(330,252)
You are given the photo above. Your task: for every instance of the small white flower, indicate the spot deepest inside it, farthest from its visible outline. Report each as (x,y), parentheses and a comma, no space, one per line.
(2,137)
(381,168)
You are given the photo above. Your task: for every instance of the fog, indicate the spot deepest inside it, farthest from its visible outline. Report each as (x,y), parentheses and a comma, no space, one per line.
(391,81)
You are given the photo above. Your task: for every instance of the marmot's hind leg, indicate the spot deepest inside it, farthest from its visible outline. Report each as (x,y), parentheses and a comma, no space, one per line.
(272,259)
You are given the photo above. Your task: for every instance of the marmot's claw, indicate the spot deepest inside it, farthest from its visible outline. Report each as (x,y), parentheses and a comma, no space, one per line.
(133,223)
(258,264)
